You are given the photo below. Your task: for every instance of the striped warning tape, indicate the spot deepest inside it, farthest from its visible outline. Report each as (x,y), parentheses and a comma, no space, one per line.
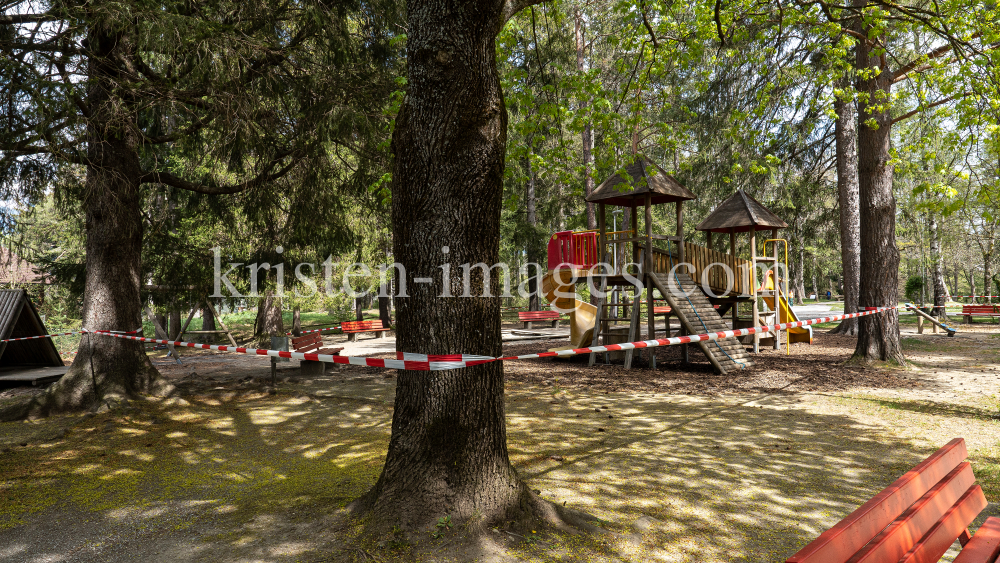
(315,330)
(441,362)
(43,336)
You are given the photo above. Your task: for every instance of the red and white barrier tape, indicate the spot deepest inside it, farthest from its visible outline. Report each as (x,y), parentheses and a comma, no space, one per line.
(43,336)
(441,362)
(315,330)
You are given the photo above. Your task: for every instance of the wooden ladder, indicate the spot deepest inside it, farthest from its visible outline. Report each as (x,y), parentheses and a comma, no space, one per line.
(698,316)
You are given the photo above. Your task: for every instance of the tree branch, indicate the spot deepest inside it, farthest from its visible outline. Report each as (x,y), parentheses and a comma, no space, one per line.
(180,183)
(14,19)
(916,66)
(649,28)
(512,7)
(718,22)
(913,112)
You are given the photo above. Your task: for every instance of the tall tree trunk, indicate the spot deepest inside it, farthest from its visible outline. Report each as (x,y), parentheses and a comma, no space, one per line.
(848,195)
(269,318)
(798,284)
(587,134)
(878,335)
(107,369)
(937,268)
(161,326)
(384,313)
(207,323)
(448,450)
(297,321)
(988,273)
(815,284)
(175,323)
(534,301)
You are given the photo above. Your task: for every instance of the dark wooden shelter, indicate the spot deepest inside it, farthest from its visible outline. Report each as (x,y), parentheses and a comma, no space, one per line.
(25,360)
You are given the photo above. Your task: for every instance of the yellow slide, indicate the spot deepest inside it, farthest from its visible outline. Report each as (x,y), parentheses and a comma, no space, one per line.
(785,314)
(582,315)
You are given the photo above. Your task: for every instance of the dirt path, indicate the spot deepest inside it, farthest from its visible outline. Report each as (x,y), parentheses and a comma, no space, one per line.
(744,468)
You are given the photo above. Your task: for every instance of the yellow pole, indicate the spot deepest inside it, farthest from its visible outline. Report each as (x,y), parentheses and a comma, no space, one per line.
(777,289)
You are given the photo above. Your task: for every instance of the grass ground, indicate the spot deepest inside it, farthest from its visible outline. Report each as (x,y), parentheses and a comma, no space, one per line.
(678,464)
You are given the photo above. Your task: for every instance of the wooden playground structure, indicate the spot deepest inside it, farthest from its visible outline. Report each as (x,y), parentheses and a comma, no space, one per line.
(691,278)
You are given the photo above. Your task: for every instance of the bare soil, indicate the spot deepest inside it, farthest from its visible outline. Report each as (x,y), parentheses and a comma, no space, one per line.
(677,464)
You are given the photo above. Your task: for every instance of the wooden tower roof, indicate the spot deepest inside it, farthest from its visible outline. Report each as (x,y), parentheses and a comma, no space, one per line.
(646,177)
(738,214)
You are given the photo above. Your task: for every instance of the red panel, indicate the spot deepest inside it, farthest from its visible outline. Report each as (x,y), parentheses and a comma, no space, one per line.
(842,541)
(897,539)
(936,542)
(361,326)
(307,339)
(985,545)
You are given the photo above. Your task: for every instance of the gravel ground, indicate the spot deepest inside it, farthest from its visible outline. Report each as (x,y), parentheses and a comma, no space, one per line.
(682,465)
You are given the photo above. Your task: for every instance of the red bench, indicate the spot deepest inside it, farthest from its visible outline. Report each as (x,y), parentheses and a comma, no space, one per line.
(969,311)
(313,343)
(353,328)
(529,317)
(914,520)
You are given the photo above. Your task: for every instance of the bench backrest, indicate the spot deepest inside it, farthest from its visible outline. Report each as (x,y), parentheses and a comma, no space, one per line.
(362,326)
(991,308)
(307,343)
(915,519)
(537,315)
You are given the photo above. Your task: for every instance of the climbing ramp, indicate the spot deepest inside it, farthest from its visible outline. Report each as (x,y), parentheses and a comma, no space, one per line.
(698,316)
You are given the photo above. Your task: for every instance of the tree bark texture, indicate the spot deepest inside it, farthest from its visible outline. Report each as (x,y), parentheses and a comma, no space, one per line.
(108,369)
(297,322)
(850,221)
(534,301)
(587,136)
(384,309)
(269,318)
(937,268)
(207,323)
(878,335)
(175,323)
(448,449)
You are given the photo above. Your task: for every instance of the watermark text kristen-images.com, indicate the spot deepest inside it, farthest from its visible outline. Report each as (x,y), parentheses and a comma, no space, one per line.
(465,280)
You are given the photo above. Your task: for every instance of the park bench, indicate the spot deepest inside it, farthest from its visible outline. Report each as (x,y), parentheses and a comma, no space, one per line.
(969,311)
(529,317)
(313,343)
(916,519)
(353,328)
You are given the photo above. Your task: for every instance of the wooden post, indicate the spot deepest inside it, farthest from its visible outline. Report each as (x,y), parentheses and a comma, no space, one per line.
(680,231)
(735,291)
(708,239)
(753,287)
(635,232)
(777,291)
(602,237)
(218,317)
(648,269)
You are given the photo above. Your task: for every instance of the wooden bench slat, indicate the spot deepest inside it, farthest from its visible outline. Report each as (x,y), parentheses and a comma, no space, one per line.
(984,546)
(537,315)
(306,339)
(362,326)
(841,542)
(897,539)
(936,542)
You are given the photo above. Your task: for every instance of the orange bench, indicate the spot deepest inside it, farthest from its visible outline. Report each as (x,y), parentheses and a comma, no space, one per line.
(914,520)
(313,343)
(353,328)
(529,317)
(969,311)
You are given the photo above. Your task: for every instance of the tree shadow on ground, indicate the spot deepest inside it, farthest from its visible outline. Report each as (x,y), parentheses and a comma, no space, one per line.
(235,474)
(744,480)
